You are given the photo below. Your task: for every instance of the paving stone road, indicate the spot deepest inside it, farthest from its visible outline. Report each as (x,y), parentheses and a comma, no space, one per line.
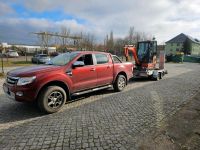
(101,120)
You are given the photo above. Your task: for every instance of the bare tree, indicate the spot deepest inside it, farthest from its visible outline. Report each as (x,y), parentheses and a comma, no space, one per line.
(78,42)
(110,43)
(44,39)
(56,39)
(91,38)
(119,46)
(131,36)
(88,41)
(137,37)
(65,32)
(106,43)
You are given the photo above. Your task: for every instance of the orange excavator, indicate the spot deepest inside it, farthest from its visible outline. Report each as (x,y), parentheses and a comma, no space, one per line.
(145,56)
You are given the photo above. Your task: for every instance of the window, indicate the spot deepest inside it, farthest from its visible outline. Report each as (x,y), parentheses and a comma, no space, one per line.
(62,59)
(87,59)
(171,44)
(101,58)
(116,59)
(178,44)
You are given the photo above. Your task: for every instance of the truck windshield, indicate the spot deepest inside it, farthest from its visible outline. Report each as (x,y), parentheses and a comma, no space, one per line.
(62,59)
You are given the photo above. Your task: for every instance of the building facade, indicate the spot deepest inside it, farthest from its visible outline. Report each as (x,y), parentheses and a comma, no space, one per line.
(183,43)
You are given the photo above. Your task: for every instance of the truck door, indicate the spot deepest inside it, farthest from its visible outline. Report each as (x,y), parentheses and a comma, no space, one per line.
(104,69)
(84,77)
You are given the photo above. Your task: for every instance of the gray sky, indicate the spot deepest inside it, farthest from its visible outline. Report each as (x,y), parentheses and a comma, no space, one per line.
(163,19)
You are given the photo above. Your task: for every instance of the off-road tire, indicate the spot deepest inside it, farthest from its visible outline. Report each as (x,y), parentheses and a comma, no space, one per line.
(120,83)
(52,99)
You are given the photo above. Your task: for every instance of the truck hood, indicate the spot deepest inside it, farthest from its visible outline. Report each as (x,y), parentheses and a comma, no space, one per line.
(33,70)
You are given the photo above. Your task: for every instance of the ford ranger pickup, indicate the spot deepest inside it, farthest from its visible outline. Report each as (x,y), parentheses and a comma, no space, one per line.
(68,74)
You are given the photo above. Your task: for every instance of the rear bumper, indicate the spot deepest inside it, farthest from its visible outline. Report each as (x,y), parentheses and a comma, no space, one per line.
(17,93)
(43,61)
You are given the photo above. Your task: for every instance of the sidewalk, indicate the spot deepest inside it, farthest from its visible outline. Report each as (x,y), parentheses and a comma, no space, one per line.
(180,131)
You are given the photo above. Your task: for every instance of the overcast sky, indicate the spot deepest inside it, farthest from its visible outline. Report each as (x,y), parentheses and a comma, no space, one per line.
(163,19)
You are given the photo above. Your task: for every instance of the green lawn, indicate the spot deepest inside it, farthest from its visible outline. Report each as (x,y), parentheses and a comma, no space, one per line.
(15,63)
(2,75)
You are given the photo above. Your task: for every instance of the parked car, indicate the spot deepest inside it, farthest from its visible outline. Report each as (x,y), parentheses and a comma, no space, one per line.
(54,54)
(40,58)
(12,54)
(68,74)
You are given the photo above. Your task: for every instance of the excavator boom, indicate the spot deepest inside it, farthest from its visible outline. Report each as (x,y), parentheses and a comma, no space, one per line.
(131,48)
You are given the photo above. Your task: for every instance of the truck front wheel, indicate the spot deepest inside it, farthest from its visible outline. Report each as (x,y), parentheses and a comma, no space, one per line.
(51,99)
(119,83)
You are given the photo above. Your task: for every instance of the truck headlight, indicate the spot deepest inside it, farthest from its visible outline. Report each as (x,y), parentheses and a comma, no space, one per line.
(26,80)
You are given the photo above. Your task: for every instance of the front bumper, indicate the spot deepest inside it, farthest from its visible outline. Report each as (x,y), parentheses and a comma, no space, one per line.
(19,93)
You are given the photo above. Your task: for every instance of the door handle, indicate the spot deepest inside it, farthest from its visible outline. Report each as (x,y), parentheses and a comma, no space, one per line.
(92,69)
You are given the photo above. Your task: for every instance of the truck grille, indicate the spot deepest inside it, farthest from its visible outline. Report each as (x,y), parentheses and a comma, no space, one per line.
(12,80)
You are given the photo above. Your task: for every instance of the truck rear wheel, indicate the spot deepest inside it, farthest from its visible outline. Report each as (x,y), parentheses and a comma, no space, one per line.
(119,83)
(52,99)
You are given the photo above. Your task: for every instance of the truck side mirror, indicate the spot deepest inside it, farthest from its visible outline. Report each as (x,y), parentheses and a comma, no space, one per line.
(78,64)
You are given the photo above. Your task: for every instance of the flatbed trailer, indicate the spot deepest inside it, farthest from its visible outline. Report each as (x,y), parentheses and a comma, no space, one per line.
(155,74)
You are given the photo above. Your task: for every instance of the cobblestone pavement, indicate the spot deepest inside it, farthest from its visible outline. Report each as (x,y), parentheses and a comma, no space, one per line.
(102,120)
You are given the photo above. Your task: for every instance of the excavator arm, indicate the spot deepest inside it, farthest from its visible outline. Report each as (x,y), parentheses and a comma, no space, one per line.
(131,48)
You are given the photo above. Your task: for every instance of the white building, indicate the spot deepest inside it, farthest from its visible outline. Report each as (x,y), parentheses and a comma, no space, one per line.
(30,48)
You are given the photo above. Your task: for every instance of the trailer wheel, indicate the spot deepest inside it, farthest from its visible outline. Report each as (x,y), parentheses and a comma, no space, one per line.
(120,83)
(52,99)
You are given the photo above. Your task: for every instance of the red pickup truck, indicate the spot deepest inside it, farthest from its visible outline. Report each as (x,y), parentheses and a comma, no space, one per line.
(67,74)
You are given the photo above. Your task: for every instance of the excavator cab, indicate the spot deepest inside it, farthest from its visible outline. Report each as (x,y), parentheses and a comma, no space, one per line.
(146,52)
